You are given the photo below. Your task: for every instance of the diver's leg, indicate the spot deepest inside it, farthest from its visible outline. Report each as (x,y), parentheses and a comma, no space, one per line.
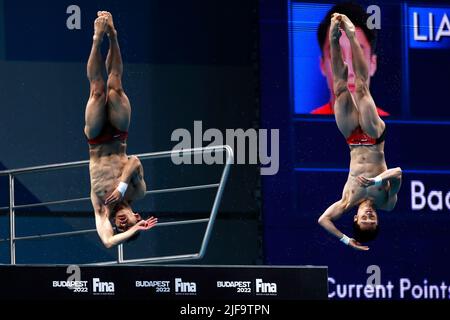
(369,119)
(95,113)
(345,111)
(119,108)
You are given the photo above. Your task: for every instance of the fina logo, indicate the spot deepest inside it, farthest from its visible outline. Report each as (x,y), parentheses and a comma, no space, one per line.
(268,288)
(429,27)
(185,287)
(102,287)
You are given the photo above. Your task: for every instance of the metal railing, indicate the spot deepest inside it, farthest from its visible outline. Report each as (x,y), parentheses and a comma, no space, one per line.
(11,174)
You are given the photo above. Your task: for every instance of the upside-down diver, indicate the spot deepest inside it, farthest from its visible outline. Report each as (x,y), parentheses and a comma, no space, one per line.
(370,184)
(116,179)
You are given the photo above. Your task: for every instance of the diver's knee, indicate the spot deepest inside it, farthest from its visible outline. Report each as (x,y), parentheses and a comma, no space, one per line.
(340,87)
(361,87)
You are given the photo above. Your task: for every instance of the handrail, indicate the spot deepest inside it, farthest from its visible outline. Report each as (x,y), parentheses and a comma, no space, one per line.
(78,232)
(142,156)
(167,190)
(153,155)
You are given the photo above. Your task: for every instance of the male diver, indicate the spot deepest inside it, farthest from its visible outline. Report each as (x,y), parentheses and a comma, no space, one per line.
(116,179)
(370,185)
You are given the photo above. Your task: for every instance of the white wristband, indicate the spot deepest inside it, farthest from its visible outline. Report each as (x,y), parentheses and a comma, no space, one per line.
(122,188)
(345,240)
(378,181)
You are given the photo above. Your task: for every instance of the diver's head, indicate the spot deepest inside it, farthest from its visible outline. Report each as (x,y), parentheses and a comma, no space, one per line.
(124,217)
(365,222)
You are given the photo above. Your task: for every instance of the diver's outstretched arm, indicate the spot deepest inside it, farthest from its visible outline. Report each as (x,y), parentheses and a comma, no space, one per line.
(333,213)
(105,229)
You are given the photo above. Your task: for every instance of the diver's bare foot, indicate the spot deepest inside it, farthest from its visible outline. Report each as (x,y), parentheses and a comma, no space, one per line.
(110,30)
(335,32)
(348,26)
(100,27)
(341,74)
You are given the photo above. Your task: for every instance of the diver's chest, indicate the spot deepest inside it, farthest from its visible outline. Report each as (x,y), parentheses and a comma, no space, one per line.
(378,194)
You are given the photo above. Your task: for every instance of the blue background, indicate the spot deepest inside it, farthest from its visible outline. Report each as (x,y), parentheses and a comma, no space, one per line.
(309,87)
